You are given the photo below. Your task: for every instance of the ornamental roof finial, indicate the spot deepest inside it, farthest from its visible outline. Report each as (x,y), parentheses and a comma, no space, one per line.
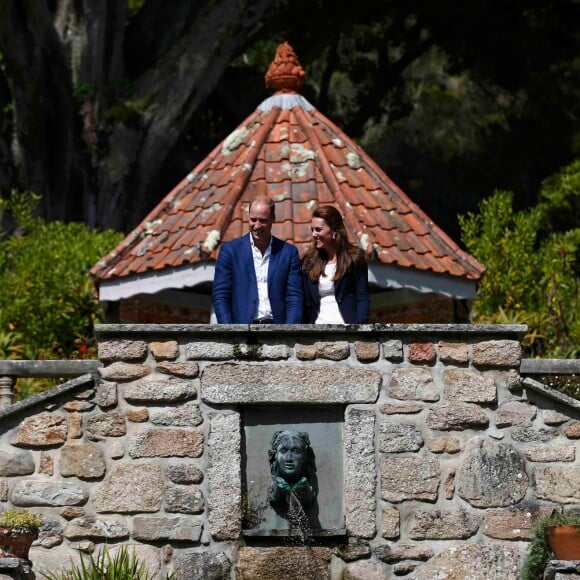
(285,73)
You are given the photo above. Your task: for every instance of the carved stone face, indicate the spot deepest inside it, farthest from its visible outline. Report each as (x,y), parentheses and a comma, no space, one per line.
(290,457)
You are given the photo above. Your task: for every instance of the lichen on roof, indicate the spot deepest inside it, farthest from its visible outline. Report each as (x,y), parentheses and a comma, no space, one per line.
(299,153)
(234,140)
(353,160)
(212,240)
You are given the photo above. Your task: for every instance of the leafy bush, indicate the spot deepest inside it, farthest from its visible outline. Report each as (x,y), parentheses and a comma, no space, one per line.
(560,198)
(47,294)
(12,346)
(531,275)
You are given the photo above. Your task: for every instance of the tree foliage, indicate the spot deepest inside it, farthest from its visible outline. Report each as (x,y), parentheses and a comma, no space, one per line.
(122,97)
(48,298)
(532,265)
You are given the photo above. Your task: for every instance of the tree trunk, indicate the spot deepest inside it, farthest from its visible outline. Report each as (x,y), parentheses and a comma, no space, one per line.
(46,143)
(90,138)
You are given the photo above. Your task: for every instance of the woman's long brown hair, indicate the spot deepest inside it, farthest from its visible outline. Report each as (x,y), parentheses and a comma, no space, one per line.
(348,256)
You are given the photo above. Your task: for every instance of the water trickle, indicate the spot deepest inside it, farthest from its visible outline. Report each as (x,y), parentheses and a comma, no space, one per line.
(297,517)
(301,537)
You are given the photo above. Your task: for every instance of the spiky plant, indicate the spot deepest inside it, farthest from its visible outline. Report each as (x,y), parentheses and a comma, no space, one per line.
(122,565)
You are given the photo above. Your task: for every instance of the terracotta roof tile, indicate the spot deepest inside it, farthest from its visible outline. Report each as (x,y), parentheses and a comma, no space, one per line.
(304,191)
(280,191)
(302,233)
(290,151)
(335,156)
(284,210)
(324,194)
(284,230)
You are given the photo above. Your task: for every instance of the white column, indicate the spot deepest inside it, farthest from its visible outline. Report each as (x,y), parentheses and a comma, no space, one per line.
(6,384)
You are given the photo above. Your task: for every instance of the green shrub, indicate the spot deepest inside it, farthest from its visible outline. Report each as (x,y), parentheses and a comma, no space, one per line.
(12,346)
(27,387)
(531,275)
(47,295)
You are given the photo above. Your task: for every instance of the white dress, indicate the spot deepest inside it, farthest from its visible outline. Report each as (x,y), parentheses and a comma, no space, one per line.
(329,311)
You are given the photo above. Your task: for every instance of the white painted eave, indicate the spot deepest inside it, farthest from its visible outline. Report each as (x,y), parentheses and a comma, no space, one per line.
(394,277)
(153,282)
(381,275)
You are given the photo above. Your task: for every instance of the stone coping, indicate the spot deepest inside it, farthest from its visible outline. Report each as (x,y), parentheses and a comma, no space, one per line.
(48,368)
(551,393)
(87,381)
(515,331)
(550,366)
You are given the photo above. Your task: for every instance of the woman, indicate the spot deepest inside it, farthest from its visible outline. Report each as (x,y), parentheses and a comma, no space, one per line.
(335,273)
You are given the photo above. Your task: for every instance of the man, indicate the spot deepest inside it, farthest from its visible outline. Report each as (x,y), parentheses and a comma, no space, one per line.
(257,277)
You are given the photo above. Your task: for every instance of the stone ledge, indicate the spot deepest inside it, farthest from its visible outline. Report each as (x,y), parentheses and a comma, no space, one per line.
(517,331)
(15,568)
(568,569)
(84,381)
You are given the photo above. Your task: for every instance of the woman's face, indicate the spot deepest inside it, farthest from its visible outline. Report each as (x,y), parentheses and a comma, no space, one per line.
(322,234)
(290,458)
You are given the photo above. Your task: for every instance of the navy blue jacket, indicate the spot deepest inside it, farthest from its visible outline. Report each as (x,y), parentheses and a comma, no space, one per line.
(235,288)
(351,293)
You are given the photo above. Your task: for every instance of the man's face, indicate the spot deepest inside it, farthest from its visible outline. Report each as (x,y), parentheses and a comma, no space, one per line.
(260,224)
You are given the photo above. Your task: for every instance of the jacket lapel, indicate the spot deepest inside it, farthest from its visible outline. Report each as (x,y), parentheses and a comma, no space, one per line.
(274,257)
(248,261)
(339,287)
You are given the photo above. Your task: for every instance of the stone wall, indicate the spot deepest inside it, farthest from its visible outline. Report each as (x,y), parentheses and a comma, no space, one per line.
(449,458)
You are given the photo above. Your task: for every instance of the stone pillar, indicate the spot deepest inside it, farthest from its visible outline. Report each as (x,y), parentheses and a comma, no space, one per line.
(6,384)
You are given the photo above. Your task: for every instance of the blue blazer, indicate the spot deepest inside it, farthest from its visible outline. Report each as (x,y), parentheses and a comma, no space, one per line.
(235,288)
(351,293)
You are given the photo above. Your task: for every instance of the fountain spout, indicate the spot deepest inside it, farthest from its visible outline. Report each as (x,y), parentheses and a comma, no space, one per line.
(294,487)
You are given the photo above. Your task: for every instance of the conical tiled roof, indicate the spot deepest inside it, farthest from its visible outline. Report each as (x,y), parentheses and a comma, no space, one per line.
(291,152)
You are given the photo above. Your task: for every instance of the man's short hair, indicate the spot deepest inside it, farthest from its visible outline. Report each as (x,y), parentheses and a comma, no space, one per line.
(267,201)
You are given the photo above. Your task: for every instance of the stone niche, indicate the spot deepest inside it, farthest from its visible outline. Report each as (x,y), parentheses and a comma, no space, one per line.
(324,427)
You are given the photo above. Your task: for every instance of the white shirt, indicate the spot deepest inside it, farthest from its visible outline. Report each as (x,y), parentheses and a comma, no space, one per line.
(329,311)
(261,264)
